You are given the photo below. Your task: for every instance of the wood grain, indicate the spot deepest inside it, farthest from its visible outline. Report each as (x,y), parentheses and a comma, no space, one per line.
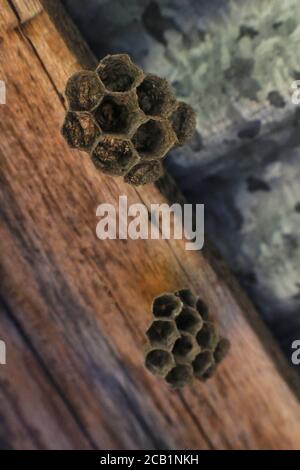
(85,303)
(33,415)
(8,19)
(26,9)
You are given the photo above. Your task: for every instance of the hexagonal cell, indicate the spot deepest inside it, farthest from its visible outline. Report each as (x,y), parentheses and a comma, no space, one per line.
(153,139)
(221,350)
(166,306)
(156,97)
(119,73)
(113,155)
(83,91)
(202,309)
(189,320)
(187,297)
(208,373)
(117,114)
(207,337)
(144,173)
(202,363)
(180,375)
(80,130)
(159,362)
(183,122)
(185,348)
(162,333)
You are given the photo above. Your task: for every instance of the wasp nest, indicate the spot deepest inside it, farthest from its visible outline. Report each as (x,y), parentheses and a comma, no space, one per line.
(126,120)
(183,341)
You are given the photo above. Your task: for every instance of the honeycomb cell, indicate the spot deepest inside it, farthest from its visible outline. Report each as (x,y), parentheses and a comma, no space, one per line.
(221,350)
(113,155)
(119,73)
(187,297)
(207,337)
(162,333)
(153,139)
(144,173)
(208,373)
(183,122)
(80,130)
(185,348)
(202,309)
(159,362)
(117,114)
(166,306)
(189,320)
(83,91)
(202,363)
(156,97)
(180,375)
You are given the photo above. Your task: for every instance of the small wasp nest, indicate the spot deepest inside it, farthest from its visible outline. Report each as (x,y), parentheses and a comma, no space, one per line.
(183,342)
(126,120)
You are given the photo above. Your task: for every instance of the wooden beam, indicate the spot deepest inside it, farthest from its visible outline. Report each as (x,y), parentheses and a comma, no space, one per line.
(26,10)
(8,19)
(13,12)
(33,415)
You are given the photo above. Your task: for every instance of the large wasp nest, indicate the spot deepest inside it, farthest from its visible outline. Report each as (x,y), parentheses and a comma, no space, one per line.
(127,121)
(183,341)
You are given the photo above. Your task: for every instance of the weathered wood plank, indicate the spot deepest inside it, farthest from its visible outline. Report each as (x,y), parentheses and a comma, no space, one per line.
(8,19)
(33,415)
(85,303)
(26,9)
(13,12)
(70,35)
(68,31)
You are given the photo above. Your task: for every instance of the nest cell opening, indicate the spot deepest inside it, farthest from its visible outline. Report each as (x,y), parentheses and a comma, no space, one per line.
(207,336)
(222,349)
(83,91)
(202,309)
(113,155)
(158,361)
(208,373)
(118,74)
(180,375)
(187,297)
(183,347)
(162,333)
(144,173)
(149,139)
(80,130)
(112,116)
(184,122)
(167,305)
(202,363)
(188,320)
(155,96)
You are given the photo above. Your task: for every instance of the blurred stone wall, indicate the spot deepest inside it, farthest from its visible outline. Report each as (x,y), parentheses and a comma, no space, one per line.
(234,62)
